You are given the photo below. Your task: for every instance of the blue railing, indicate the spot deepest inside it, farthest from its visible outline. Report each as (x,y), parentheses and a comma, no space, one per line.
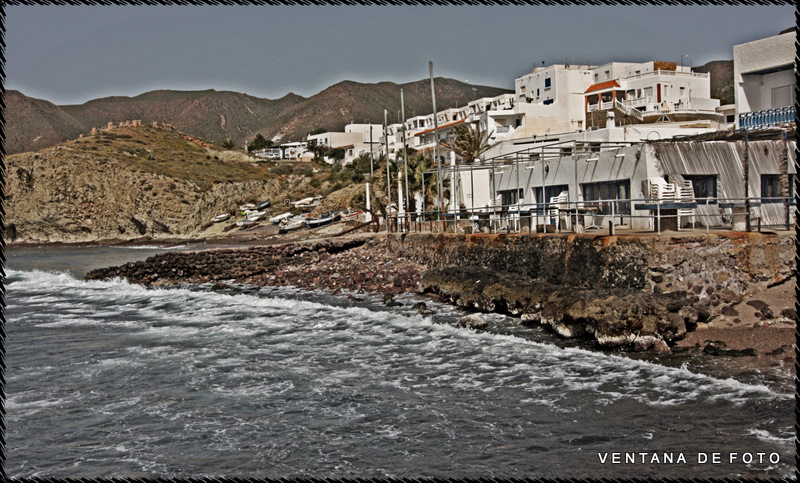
(767,117)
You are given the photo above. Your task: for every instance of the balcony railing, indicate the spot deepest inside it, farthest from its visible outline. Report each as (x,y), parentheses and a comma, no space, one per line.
(767,117)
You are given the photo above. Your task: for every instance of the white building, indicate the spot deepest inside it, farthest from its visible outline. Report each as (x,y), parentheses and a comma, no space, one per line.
(764,79)
(550,99)
(650,92)
(356,140)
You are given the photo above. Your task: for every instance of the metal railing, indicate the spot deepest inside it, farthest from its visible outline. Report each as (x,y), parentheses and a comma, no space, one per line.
(767,117)
(607,215)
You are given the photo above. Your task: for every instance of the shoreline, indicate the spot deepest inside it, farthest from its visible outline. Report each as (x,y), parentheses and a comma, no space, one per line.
(758,332)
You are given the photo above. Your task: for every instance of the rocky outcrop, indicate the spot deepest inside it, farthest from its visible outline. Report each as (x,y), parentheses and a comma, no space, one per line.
(65,195)
(613,317)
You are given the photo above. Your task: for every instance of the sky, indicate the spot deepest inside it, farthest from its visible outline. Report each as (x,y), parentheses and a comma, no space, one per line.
(73,54)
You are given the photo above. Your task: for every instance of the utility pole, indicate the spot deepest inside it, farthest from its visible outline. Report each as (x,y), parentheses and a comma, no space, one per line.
(388,174)
(440,200)
(405,154)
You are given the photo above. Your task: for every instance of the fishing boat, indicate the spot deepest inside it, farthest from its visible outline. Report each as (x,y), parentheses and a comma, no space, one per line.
(322,220)
(246,223)
(352,215)
(254,215)
(248,206)
(279,218)
(263,204)
(291,224)
(221,217)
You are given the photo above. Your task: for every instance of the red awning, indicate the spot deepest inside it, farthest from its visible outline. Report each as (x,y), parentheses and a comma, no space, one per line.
(602,86)
(440,127)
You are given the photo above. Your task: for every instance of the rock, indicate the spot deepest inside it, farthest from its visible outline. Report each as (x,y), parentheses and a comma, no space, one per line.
(758,305)
(530,320)
(729,312)
(473,321)
(789,313)
(423,309)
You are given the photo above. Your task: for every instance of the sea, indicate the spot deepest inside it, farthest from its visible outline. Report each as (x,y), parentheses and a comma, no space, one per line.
(111,379)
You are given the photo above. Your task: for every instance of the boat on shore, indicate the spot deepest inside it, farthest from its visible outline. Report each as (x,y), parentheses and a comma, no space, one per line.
(291,224)
(279,218)
(220,217)
(246,223)
(323,220)
(254,215)
(263,205)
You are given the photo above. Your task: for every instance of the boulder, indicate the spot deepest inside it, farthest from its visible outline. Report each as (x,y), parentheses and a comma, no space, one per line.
(473,321)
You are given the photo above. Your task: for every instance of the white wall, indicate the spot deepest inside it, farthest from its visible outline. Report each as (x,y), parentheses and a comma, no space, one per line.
(753,89)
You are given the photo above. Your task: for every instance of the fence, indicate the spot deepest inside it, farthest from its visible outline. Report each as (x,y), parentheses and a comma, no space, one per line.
(583,216)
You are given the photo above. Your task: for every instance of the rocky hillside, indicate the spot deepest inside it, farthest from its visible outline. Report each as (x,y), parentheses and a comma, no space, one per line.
(134,182)
(213,115)
(721,72)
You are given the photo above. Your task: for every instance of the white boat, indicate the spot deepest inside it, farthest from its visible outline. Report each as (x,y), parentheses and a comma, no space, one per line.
(279,218)
(323,220)
(221,217)
(246,223)
(254,215)
(248,206)
(291,224)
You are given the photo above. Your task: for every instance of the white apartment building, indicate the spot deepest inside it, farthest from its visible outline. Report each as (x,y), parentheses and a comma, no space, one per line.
(649,92)
(550,99)
(764,81)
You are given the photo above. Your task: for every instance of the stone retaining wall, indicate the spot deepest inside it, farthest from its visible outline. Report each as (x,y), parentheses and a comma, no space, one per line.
(701,263)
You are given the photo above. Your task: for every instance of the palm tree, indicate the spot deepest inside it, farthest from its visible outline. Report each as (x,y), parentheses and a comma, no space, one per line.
(468,143)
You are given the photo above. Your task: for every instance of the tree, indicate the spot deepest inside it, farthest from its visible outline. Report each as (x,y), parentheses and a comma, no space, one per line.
(259,143)
(336,153)
(469,144)
(228,143)
(316,148)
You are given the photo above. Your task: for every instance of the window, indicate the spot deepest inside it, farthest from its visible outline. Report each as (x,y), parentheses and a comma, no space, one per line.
(546,82)
(510,197)
(547,102)
(771,188)
(549,192)
(606,191)
(704,186)
(608,74)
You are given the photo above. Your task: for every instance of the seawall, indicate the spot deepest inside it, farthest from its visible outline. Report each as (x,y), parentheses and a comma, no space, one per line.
(637,291)
(699,263)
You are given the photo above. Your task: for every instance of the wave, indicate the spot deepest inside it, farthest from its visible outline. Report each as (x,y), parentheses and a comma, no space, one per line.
(383,340)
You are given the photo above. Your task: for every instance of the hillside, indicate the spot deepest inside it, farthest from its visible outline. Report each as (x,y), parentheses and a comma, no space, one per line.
(215,115)
(139,181)
(35,124)
(721,72)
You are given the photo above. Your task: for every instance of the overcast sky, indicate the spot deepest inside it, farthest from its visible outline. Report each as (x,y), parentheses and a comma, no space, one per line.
(72,54)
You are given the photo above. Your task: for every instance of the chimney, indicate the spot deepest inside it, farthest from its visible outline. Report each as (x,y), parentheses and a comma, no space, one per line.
(610,119)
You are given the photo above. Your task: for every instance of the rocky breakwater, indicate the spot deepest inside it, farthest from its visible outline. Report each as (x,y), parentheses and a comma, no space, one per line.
(614,317)
(359,264)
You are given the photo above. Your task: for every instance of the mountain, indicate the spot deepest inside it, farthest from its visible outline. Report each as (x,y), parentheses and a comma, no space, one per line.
(33,124)
(721,72)
(215,115)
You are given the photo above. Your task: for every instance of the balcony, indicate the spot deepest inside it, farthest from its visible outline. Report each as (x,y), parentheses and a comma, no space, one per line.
(767,118)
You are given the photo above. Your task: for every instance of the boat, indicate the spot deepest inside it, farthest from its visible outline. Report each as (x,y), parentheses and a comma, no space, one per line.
(279,218)
(221,217)
(246,223)
(322,220)
(352,215)
(248,206)
(254,215)
(264,204)
(291,224)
